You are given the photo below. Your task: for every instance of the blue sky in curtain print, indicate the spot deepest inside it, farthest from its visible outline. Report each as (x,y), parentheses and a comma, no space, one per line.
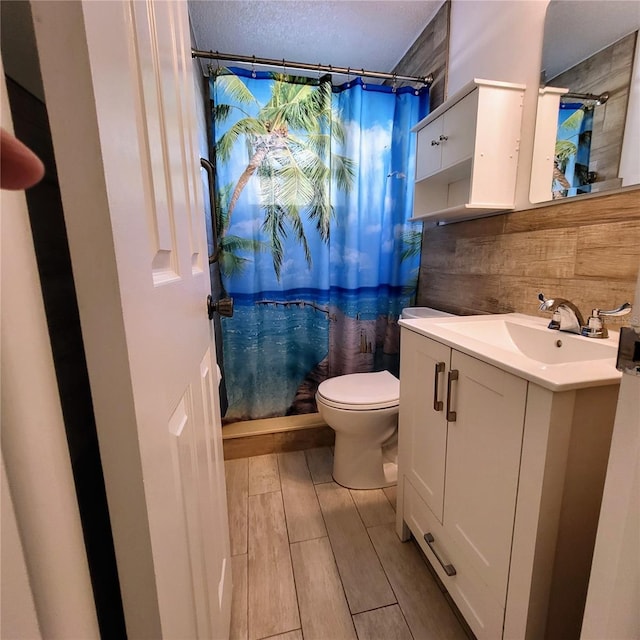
(368,221)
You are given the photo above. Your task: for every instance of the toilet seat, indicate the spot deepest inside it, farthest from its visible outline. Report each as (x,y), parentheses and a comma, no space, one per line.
(361,391)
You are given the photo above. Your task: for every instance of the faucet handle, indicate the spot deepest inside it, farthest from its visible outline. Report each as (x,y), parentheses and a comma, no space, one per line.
(544,303)
(622,310)
(595,327)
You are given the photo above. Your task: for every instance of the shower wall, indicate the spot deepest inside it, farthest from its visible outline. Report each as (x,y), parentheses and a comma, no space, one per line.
(428,55)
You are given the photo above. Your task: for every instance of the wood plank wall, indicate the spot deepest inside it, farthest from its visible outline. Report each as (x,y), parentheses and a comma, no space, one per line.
(585,250)
(428,54)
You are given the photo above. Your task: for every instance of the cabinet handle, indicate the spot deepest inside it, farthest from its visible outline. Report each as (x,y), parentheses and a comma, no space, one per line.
(451,415)
(437,404)
(443,138)
(449,569)
(435,143)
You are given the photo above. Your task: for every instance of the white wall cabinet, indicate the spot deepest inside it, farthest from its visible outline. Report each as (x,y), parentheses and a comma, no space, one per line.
(467,153)
(500,483)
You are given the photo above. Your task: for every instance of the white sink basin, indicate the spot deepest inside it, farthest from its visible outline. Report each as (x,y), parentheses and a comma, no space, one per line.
(524,345)
(536,342)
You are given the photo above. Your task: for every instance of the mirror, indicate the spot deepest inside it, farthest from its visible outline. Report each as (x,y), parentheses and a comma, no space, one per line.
(586,136)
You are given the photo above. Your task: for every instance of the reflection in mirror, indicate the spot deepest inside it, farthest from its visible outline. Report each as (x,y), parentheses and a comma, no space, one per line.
(584,122)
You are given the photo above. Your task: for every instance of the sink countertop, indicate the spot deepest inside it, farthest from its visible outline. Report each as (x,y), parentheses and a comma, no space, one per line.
(487,338)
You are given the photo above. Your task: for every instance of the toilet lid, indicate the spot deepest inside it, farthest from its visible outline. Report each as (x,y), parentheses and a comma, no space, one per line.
(362,391)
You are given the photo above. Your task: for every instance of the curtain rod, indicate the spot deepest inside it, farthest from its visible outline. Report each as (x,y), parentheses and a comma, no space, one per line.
(599,99)
(195,53)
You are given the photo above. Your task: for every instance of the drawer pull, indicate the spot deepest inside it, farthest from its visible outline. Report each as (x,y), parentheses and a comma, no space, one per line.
(451,415)
(449,569)
(437,404)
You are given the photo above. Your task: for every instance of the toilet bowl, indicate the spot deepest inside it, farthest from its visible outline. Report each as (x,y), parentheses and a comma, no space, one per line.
(362,408)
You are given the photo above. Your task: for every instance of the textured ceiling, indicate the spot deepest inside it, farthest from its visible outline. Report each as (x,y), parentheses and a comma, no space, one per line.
(373,35)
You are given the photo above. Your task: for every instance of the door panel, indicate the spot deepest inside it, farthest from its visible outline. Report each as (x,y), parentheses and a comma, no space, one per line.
(164,96)
(185,477)
(159,213)
(212,494)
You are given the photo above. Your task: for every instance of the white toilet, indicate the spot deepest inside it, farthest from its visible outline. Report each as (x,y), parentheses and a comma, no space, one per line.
(362,408)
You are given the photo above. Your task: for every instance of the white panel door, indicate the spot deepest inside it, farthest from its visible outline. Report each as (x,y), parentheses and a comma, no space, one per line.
(119,91)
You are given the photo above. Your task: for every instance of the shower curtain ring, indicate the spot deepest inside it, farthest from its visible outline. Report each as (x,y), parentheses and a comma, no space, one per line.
(394,86)
(364,86)
(348,76)
(253,67)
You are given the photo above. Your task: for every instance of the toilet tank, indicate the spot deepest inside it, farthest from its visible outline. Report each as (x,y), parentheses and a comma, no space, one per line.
(423,312)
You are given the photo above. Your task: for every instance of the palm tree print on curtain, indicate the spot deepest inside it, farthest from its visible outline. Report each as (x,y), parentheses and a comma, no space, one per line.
(573,148)
(314,244)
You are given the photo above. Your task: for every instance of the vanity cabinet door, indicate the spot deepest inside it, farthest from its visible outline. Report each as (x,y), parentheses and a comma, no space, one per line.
(483,464)
(422,427)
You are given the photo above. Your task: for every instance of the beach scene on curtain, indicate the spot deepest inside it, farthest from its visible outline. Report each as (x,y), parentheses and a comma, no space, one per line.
(572,151)
(314,188)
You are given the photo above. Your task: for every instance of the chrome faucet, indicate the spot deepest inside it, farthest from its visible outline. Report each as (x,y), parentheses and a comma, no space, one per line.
(566,316)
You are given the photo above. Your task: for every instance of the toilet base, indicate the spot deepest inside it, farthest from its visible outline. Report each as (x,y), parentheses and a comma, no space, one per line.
(360,467)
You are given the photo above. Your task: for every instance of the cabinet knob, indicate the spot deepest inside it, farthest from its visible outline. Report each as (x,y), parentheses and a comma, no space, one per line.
(443,138)
(435,143)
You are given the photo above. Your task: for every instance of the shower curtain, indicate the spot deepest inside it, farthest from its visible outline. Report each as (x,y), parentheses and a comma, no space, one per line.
(313,200)
(573,148)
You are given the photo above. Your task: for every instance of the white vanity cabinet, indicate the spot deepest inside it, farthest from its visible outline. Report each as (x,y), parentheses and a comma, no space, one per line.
(486,486)
(467,153)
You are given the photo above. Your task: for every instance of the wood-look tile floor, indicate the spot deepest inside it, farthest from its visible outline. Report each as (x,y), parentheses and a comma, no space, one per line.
(315,561)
